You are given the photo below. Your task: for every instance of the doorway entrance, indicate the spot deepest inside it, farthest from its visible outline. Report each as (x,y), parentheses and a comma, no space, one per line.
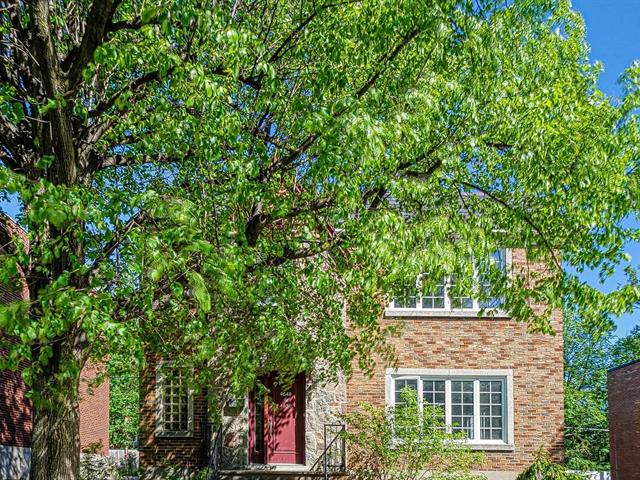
(276,425)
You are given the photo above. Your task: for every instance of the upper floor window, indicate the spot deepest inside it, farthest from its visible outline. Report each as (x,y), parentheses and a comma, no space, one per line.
(174,401)
(445,297)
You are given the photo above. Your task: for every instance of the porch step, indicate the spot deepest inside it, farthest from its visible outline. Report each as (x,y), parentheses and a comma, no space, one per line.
(276,475)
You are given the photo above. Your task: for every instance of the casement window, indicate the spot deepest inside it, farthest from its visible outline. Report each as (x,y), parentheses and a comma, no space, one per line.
(477,403)
(443,299)
(174,401)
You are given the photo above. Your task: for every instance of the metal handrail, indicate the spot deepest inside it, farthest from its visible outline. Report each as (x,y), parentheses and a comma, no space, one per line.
(324,456)
(213,452)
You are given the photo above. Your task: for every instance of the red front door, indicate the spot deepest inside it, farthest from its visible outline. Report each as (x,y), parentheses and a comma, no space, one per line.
(279,424)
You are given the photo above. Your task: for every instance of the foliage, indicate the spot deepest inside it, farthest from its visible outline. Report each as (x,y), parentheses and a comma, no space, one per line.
(626,349)
(124,403)
(94,447)
(97,467)
(589,353)
(543,468)
(128,466)
(407,442)
(215,184)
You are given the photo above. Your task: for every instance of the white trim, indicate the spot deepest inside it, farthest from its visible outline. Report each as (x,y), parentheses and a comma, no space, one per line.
(504,375)
(159,430)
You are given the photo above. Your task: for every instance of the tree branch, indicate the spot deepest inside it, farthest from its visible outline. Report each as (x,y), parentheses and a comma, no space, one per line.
(385,62)
(99,18)
(116,240)
(523,216)
(100,162)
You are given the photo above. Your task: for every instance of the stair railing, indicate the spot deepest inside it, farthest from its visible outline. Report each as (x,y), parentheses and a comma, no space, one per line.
(333,458)
(212,450)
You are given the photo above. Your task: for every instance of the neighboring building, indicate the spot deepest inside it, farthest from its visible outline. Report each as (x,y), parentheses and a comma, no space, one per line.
(623,384)
(495,381)
(15,407)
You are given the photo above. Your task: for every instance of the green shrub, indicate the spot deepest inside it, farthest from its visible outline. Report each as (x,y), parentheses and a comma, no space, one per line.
(543,468)
(97,467)
(407,443)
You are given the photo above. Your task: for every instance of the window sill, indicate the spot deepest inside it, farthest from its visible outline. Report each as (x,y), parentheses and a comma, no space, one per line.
(492,447)
(462,314)
(161,434)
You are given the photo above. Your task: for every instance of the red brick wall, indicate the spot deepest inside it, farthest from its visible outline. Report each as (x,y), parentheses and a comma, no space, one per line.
(94,409)
(15,407)
(624,421)
(170,451)
(473,343)
(15,410)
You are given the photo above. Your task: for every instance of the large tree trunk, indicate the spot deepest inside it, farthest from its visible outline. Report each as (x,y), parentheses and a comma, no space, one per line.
(55,443)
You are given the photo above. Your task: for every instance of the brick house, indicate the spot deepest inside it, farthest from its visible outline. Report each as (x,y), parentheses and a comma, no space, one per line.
(623,384)
(495,381)
(15,407)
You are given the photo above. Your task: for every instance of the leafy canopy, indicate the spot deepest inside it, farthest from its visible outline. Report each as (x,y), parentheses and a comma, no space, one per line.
(216,184)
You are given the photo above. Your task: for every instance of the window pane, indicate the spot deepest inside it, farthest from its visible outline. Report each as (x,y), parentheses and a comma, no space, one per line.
(498,260)
(459,302)
(400,385)
(434,299)
(433,394)
(491,408)
(175,401)
(462,406)
(407,300)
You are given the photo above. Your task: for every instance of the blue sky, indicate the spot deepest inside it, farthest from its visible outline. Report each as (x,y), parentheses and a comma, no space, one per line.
(613,31)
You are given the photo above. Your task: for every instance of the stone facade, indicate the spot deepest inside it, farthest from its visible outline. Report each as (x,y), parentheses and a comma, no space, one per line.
(624,421)
(324,404)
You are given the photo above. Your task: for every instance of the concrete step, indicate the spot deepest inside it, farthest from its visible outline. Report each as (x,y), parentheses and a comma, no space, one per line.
(276,474)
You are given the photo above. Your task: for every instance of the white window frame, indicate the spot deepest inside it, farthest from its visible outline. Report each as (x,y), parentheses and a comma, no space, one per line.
(448,310)
(160,381)
(449,375)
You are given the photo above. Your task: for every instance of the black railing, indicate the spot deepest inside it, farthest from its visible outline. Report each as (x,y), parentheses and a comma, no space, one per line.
(333,458)
(211,453)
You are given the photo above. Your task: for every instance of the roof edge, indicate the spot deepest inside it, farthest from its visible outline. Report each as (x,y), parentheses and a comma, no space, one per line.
(632,362)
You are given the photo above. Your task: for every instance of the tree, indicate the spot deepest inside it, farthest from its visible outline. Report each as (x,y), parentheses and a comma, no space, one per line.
(124,401)
(589,353)
(216,183)
(587,358)
(626,349)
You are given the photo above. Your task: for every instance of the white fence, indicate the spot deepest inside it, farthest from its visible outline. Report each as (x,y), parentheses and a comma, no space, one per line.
(595,475)
(122,457)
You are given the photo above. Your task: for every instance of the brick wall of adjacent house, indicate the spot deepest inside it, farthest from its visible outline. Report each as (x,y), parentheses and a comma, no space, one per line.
(94,408)
(156,450)
(624,421)
(15,407)
(472,343)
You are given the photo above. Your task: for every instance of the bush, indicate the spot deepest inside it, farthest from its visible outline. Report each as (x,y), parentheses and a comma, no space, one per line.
(407,443)
(97,467)
(543,468)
